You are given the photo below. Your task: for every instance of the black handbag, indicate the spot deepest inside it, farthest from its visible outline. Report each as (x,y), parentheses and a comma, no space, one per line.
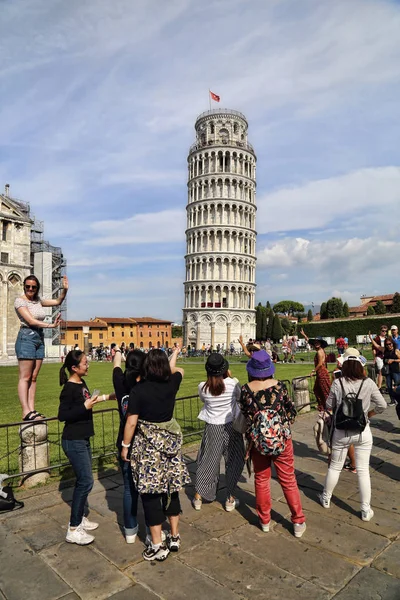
(385,370)
(9,503)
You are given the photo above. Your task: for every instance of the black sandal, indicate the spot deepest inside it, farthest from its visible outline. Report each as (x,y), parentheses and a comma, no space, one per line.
(38,414)
(33,416)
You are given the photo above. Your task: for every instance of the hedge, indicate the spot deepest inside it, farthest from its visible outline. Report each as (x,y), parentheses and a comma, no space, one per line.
(348,327)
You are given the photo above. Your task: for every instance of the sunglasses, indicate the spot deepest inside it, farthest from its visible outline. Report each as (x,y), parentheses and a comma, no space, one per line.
(31,287)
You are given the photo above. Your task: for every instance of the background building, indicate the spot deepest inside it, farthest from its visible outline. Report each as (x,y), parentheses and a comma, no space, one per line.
(220,236)
(23,251)
(143,332)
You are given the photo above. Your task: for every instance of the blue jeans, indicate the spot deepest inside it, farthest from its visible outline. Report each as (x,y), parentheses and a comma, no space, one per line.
(130,501)
(79,454)
(392,381)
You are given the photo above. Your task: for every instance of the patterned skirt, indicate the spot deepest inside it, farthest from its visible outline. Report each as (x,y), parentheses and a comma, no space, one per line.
(322,386)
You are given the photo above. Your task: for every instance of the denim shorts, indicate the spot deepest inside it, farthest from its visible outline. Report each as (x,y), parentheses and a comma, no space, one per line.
(29,344)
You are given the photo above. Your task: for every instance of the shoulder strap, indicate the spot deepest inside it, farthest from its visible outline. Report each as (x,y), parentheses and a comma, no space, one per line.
(358,393)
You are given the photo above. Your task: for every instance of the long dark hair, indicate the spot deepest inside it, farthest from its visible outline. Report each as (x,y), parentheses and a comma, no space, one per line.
(72,359)
(36,280)
(133,368)
(215,384)
(156,366)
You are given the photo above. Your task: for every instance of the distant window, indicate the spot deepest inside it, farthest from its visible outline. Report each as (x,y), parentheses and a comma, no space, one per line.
(112,334)
(100,336)
(76,336)
(149,326)
(141,344)
(141,334)
(149,333)
(122,334)
(63,335)
(4,231)
(158,334)
(131,333)
(90,336)
(4,258)
(112,325)
(122,326)
(140,325)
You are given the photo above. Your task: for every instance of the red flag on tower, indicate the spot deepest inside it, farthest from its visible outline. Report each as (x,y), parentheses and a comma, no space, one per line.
(214,96)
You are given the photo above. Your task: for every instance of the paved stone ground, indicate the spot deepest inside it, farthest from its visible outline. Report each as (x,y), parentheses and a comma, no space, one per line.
(223,555)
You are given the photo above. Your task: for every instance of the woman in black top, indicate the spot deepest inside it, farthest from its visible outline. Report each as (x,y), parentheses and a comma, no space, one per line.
(123,384)
(75,410)
(156,460)
(391,359)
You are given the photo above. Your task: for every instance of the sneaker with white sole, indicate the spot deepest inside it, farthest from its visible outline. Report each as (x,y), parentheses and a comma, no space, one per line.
(324,501)
(299,529)
(78,536)
(264,527)
(366,515)
(158,553)
(130,538)
(89,525)
(231,504)
(147,541)
(173,542)
(197,503)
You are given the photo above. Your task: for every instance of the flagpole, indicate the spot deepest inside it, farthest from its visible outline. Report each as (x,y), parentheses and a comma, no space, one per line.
(209,97)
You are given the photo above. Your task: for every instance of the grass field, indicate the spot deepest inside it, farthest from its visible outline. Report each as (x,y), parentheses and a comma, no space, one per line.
(106,423)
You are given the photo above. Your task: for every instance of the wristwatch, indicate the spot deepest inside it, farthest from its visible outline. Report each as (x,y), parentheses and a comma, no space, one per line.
(125,445)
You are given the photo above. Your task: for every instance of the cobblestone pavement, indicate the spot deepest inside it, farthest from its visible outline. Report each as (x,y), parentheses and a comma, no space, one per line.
(223,555)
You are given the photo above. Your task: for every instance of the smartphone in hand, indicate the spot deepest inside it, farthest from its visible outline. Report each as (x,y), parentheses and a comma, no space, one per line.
(95,393)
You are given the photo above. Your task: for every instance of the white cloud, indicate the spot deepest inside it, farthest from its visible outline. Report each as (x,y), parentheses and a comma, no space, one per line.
(145,228)
(355,253)
(317,203)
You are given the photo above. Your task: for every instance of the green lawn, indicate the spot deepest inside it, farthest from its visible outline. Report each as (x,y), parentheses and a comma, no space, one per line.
(106,424)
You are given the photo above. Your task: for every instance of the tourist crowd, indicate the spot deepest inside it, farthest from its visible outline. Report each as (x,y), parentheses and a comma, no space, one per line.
(248,423)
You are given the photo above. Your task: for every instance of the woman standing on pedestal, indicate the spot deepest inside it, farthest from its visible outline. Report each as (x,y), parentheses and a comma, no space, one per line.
(29,346)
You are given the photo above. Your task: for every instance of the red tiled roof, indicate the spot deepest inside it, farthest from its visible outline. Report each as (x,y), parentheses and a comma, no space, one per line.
(78,324)
(150,320)
(116,320)
(358,309)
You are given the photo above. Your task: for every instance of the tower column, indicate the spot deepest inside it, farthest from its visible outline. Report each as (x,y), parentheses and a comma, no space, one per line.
(228,335)
(212,334)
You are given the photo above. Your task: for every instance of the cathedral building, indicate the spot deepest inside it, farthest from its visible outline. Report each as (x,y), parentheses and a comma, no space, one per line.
(220,235)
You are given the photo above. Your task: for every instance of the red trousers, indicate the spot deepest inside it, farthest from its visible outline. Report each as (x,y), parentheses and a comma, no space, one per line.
(284,466)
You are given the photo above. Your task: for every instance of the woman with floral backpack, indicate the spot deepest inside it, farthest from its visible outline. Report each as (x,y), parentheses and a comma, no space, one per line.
(265,403)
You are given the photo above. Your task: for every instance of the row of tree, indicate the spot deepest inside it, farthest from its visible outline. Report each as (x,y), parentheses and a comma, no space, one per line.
(269,325)
(334,308)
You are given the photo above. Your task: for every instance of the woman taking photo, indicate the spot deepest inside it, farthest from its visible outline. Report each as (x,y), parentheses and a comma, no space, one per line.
(29,346)
(123,383)
(354,382)
(391,359)
(322,378)
(264,393)
(220,394)
(158,470)
(75,410)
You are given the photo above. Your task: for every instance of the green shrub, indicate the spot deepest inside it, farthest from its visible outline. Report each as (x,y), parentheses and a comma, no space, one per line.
(349,327)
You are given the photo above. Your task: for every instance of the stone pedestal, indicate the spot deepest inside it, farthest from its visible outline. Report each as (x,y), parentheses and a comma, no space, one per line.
(301,394)
(35,453)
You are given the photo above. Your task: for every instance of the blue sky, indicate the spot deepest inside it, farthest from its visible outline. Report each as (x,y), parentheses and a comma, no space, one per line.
(98,105)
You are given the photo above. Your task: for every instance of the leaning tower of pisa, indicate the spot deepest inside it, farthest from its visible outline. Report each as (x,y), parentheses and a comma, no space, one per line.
(220,235)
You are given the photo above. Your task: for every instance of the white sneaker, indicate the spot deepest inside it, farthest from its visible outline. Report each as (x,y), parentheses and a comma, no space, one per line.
(160,553)
(79,536)
(131,538)
(147,541)
(264,527)
(197,503)
(89,525)
(231,504)
(366,515)
(324,501)
(299,529)
(173,543)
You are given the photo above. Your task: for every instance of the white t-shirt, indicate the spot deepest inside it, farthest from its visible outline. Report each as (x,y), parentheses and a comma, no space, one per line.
(218,410)
(35,308)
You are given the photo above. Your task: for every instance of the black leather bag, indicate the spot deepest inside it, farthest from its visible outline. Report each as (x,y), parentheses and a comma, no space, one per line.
(9,503)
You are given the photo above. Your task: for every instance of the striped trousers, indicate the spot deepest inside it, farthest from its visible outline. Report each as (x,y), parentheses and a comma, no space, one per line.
(219,441)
